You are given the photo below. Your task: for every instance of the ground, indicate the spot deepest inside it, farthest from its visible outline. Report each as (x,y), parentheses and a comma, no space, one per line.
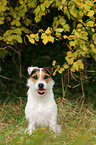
(78,125)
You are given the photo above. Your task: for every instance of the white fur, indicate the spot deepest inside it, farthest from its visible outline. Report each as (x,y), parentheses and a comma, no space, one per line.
(41,110)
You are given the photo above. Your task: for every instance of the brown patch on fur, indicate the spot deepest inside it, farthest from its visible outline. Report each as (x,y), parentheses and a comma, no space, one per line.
(45,75)
(36,75)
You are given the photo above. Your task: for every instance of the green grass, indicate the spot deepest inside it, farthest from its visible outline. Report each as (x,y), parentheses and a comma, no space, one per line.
(78,125)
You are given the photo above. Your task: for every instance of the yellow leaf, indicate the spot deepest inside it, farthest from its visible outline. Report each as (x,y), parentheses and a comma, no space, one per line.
(31,40)
(67,59)
(75,66)
(59,30)
(91,13)
(55,72)
(13,119)
(51,39)
(80,64)
(69,54)
(43,35)
(48,31)
(71,60)
(72,43)
(66,66)
(64,36)
(90,23)
(45,39)
(61,70)
(40,30)
(58,67)
(69,47)
(32,35)
(72,69)
(37,37)
(54,62)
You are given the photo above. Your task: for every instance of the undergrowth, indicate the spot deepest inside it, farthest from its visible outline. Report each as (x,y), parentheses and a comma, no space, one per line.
(78,125)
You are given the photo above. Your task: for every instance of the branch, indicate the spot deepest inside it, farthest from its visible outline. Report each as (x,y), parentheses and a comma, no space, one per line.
(88,42)
(11,48)
(5,77)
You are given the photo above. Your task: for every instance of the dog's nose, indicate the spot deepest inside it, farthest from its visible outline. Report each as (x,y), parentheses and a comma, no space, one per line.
(41,85)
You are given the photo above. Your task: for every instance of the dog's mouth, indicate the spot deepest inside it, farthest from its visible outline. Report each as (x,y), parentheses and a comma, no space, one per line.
(41,91)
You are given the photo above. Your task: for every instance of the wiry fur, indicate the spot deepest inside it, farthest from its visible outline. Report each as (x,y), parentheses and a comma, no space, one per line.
(41,110)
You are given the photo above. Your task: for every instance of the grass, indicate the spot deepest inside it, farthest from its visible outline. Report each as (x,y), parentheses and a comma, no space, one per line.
(78,125)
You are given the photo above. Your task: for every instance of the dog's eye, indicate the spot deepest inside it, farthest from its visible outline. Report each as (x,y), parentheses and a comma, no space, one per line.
(46,77)
(34,77)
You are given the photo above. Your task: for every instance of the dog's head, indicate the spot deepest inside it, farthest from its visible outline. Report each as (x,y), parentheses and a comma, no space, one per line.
(41,79)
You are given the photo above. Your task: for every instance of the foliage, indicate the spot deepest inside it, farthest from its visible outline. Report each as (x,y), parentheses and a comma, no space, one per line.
(75,24)
(60,31)
(81,38)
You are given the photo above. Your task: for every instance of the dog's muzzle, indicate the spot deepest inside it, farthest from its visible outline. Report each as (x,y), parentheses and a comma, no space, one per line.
(41,89)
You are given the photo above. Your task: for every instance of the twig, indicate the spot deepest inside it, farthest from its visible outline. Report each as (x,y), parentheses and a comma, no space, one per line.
(5,77)
(62,85)
(2,59)
(89,112)
(9,47)
(83,94)
(73,76)
(90,71)
(20,73)
(68,76)
(76,86)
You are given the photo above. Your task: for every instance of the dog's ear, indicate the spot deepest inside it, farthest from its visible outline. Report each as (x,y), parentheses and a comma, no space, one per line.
(49,70)
(30,69)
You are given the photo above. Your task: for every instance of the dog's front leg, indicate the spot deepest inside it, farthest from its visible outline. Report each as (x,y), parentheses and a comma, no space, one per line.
(31,127)
(52,125)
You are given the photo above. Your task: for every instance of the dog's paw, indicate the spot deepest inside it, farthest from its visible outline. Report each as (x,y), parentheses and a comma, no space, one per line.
(28,131)
(59,130)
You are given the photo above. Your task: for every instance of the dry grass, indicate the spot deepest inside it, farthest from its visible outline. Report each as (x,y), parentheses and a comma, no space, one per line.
(78,126)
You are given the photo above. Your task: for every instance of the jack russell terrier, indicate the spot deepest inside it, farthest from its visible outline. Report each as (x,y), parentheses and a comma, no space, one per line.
(41,108)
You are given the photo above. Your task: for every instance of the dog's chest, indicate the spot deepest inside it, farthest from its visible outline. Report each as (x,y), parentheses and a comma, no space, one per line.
(42,114)
(43,109)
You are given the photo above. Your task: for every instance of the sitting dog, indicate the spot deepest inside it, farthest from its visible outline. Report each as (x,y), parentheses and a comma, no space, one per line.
(41,109)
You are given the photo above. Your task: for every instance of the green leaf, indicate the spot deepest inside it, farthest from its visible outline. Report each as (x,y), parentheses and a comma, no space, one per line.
(66,66)
(66,27)
(42,7)
(71,60)
(19,38)
(75,66)
(45,39)
(61,70)
(90,23)
(91,13)
(1,20)
(72,69)
(59,30)
(72,43)
(69,54)
(80,64)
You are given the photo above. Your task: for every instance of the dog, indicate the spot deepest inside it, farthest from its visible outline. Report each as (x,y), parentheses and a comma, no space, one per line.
(41,108)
